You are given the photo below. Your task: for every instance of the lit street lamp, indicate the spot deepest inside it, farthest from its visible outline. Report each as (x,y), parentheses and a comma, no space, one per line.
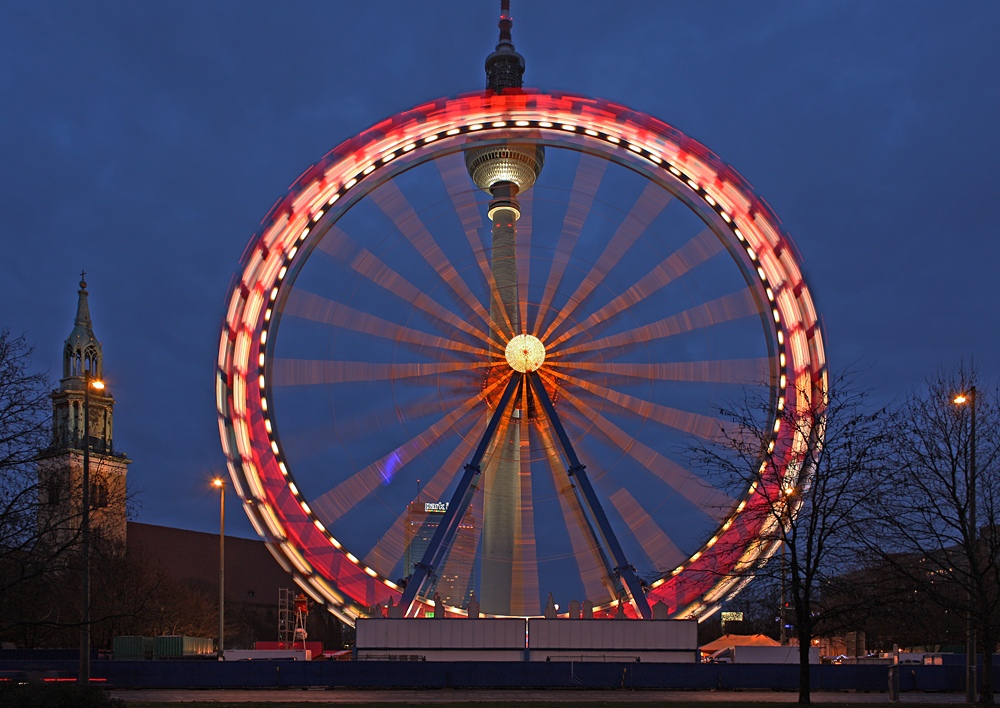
(89,382)
(220,484)
(970,491)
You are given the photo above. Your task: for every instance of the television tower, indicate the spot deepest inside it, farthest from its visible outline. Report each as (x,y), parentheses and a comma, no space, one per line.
(504,170)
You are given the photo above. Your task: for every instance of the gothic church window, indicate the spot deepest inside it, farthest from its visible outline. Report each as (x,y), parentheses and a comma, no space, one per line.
(53,491)
(98,495)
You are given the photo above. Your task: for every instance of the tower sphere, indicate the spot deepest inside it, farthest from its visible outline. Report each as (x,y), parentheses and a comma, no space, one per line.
(492,165)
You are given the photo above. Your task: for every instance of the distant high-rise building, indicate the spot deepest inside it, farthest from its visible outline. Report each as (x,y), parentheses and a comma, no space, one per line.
(456,579)
(60,467)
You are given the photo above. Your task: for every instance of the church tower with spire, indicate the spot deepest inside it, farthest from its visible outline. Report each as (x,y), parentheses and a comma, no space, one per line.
(82,388)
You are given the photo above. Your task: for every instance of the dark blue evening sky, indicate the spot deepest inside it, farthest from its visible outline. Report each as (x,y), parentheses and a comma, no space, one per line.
(144,142)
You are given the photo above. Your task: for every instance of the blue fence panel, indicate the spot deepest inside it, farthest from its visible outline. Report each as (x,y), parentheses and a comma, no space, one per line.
(425,674)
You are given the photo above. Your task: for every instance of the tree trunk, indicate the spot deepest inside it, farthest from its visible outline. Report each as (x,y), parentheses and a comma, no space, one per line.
(987,642)
(804,686)
(804,630)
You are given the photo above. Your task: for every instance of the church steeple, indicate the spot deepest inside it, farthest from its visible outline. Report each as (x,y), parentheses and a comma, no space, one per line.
(83,357)
(82,353)
(82,418)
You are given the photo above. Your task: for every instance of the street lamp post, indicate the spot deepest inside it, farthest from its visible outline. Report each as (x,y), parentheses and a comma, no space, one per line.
(970,490)
(220,484)
(84,674)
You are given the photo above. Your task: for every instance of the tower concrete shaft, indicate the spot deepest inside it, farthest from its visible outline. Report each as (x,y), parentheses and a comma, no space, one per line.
(505,314)
(501,476)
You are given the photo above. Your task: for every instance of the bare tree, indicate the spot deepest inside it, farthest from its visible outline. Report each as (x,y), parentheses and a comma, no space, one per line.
(23,432)
(933,518)
(127,594)
(27,550)
(807,548)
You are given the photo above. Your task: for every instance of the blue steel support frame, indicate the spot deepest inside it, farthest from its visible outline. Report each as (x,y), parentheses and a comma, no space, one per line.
(460,500)
(624,570)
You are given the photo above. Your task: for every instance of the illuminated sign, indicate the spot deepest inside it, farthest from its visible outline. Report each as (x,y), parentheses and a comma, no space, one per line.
(435,507)
(732,616)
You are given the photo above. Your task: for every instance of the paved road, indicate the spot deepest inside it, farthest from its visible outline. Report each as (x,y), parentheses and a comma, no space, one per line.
(444,696)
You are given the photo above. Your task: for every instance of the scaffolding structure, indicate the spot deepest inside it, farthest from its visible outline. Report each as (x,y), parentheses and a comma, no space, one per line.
(286,615)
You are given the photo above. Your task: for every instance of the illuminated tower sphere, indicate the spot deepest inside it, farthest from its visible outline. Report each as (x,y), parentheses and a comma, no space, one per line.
(503,170)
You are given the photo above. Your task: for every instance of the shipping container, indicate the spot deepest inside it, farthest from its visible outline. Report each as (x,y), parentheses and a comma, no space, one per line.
(169,647)
(132,648)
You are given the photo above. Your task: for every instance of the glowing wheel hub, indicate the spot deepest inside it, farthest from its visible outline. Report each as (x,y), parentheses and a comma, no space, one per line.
(525,353)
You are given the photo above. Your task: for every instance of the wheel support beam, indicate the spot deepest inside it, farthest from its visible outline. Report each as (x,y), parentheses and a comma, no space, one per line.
(441,541)
(623,570)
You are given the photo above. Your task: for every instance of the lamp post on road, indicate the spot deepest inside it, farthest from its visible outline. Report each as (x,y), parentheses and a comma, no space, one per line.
(89,382)
(970,491)
(220,484)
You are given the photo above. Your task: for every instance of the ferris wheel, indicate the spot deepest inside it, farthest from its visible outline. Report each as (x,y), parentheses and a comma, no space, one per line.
(467,350)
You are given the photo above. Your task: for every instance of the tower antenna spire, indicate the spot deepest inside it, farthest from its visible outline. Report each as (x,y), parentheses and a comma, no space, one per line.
(504,67)
(505,23)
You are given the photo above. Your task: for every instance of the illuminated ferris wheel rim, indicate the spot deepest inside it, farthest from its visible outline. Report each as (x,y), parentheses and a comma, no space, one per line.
(262,478)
